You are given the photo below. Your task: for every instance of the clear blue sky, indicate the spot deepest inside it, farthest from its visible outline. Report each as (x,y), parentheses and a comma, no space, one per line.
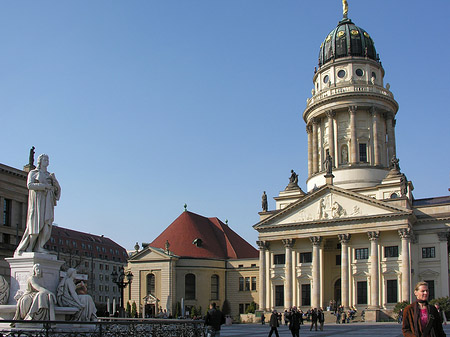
(144,106)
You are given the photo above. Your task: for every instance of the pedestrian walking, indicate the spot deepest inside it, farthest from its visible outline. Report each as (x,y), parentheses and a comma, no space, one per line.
(274,324)
(214,319)
(294,322)
(321,318)
(313,319)
(263,319)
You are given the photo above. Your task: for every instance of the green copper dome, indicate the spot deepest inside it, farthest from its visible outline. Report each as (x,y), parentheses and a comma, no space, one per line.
(347,39)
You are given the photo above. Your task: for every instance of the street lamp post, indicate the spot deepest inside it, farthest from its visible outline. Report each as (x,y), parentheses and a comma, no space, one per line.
(119,279)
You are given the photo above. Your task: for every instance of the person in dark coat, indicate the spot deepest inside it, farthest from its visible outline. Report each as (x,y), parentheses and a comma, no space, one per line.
(213,320)
(294,322)
(321,318)
(421,319)
(313,319)
(274,324)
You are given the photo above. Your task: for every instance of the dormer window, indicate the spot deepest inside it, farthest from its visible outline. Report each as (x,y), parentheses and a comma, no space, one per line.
(198,242)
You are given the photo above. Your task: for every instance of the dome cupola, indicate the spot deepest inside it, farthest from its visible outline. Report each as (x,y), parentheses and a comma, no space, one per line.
(347,39)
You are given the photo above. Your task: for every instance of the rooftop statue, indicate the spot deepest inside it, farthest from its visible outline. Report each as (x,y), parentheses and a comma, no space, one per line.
(36,303)
(264,202)
(328,164)
(44,191)
(31,158)
(345,8)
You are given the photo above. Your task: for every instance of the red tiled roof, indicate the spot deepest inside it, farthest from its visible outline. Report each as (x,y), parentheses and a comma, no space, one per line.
(218,240)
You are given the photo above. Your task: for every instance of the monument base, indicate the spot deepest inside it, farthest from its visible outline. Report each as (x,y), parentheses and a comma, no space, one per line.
(22,266)
(372,315)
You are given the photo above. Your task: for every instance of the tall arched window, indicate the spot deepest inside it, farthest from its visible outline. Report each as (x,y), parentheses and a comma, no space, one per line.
(189,286)
(151,284)
(215,287)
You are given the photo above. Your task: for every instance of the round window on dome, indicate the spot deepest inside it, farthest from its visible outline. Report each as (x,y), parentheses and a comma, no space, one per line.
(374,75)
(325,79)
(341,73)
(359,72)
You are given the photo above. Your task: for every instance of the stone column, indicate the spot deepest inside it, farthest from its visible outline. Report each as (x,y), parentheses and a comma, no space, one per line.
(443,247)
(315,300)
(288,244)
(309,131)
(330,115)
(268,283)
(405,235)
(315,154)
(376,143)
(353,135)
(389,129)
(344,239)
(374,271)
(262,274)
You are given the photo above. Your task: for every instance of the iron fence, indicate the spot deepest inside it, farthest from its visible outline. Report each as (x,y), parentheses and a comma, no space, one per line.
(106,327)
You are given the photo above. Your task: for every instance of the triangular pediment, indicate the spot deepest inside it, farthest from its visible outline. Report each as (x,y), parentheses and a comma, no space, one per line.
(331,203)
(151,254)
(428,273)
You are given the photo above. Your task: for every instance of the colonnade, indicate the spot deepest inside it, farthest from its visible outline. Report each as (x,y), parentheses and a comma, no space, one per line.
(266,295)
(382,151)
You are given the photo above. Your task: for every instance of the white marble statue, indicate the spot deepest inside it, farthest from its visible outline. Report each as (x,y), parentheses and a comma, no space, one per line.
(36,303)
(4,291)
(44,191)
(67,296)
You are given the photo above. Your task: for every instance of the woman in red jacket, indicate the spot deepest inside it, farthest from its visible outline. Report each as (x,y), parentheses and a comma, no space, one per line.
(421,319)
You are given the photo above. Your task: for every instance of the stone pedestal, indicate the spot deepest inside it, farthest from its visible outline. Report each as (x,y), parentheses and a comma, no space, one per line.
(371,315)
(21,269)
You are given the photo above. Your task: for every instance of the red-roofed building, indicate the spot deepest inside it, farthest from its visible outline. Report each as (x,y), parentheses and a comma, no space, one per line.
(195,260)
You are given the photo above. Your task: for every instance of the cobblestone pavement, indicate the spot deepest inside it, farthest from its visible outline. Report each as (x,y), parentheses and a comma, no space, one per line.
(352,329)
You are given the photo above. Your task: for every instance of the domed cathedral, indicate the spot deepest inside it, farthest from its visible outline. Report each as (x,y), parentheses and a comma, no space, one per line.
(357,237)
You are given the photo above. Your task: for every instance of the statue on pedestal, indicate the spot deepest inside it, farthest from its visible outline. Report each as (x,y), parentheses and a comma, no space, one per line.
(44,191)
(68,296)
(36,303)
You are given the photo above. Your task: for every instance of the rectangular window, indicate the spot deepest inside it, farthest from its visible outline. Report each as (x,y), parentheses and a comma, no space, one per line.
(391,251)
(430,290)
(247,284)
(279,296)
(6,212)
(214,287)
(254,283)
(306,294)
(338,260)
(363,153)
(279,259)
(361,292)
(241,284)
(391,287)
(428,253)
(361,253)
(306,257)
(241,308)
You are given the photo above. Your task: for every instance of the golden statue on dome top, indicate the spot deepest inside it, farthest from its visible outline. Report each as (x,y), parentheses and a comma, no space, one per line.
(345,8)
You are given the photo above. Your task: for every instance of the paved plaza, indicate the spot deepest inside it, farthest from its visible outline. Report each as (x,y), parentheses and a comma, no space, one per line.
(352,329)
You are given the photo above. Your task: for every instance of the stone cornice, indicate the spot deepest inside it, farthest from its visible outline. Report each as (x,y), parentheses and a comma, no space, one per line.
(13,171)
(339,221)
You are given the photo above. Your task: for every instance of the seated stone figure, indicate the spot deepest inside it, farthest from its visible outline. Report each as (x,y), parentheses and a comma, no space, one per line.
(36,303)
(67,296)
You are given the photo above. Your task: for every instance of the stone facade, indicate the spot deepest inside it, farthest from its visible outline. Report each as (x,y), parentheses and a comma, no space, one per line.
(357,237)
